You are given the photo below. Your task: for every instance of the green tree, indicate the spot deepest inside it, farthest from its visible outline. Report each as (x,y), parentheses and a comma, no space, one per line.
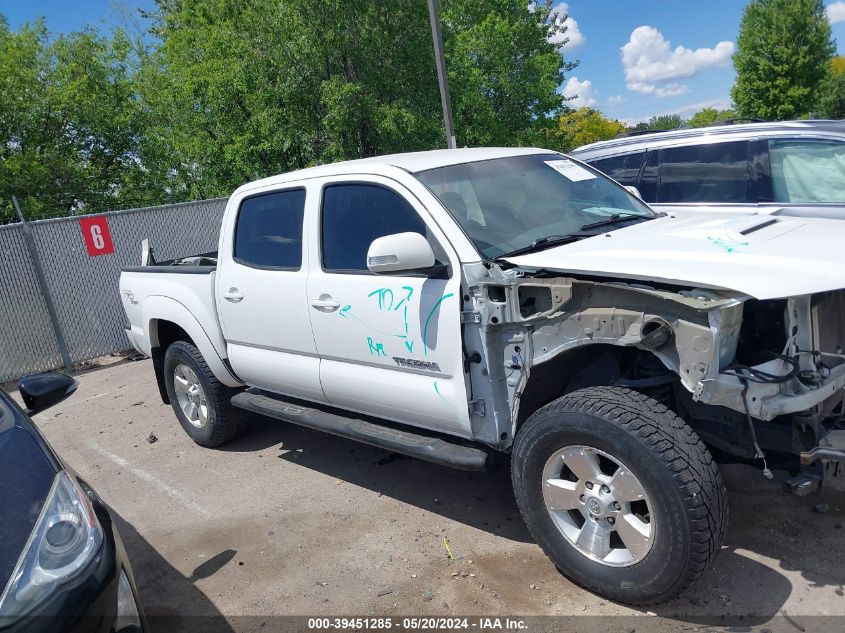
(68,121)
(580,127)
(831,103)
(783,52)
(241,90)
(666,122)
(709,116)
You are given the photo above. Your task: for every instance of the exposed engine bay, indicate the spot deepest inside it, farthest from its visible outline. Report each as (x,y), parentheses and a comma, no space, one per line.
(754,378)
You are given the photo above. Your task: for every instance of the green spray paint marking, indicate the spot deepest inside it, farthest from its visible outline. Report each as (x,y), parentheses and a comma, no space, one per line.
(407,298)
(442,397)
(376,349)
(728,244)
(346,311)
(382,297)
(428,320)
(410,346)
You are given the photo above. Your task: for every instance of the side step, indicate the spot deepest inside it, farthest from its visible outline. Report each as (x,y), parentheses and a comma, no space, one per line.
(430,449)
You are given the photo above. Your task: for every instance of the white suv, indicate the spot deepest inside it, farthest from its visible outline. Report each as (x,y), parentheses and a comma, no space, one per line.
(794,168)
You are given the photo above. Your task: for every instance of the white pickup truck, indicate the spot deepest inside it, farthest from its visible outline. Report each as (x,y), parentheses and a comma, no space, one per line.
(454,304)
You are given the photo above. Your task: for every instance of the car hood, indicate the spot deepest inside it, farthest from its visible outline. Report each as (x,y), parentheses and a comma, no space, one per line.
(761,256)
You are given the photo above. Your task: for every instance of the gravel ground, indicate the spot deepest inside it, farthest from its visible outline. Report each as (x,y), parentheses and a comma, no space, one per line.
(287,520)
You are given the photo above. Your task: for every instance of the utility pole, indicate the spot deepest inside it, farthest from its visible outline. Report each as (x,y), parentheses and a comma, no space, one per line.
(442,79)
(45,289)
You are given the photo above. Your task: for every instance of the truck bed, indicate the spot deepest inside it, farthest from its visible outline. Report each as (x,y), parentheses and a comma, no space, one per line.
(202,264)
(179,290)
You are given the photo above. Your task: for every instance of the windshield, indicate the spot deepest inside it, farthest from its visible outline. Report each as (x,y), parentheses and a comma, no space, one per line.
(507,204)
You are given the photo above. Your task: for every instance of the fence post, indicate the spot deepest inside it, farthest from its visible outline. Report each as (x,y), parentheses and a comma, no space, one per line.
(45,291)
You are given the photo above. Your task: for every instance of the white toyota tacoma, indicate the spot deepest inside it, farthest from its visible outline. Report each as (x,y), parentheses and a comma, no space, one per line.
(453,304)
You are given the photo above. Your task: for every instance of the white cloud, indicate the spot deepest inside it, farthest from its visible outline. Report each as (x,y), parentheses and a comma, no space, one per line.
(648,59)
(573,33)
(835,12)
(616,100)
(669,90)
(582,93)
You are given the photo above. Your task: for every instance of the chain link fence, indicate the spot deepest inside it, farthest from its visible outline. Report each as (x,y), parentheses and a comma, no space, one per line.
(84,288)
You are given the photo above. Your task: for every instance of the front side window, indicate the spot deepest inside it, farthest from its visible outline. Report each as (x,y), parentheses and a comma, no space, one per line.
(623,169)
(716,172)
(268,233)
(807,170)
(506,204)
(356,214)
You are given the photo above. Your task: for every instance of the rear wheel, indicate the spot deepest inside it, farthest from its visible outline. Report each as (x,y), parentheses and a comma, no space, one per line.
(620,493)
(200,401)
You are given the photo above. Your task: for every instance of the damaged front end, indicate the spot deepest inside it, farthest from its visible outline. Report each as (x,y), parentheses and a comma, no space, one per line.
(753,378)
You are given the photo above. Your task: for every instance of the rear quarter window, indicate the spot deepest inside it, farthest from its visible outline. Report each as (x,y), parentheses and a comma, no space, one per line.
(623,169)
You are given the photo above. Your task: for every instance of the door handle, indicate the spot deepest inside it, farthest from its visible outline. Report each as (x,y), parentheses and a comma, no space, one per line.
(233,295)
(325,305)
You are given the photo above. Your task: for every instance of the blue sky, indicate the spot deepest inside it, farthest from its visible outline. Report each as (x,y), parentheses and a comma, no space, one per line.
(638,59)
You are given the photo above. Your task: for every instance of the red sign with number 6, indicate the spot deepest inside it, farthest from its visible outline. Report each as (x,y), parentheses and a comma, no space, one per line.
(95,232)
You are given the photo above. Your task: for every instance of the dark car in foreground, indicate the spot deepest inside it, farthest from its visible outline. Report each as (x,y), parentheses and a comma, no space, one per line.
(788,168)
(62,563)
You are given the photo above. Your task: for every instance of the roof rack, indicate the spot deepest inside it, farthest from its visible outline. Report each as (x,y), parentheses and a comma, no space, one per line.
(639,133)
(735,120)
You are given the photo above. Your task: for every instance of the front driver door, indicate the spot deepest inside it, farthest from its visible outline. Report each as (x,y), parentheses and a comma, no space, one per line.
(390,345)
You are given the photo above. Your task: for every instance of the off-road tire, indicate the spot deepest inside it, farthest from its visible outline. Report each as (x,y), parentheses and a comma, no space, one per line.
(671,462)
(225,422)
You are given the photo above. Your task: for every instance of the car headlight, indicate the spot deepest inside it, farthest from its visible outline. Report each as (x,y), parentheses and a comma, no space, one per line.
(65,538)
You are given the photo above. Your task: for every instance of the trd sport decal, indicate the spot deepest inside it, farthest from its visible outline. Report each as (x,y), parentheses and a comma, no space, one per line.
(413,363)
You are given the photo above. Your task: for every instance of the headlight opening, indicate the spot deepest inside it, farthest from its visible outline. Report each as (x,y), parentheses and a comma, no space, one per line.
(65,538)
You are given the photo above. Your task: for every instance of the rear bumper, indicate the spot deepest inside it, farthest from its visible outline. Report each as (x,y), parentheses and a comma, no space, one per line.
(133,341)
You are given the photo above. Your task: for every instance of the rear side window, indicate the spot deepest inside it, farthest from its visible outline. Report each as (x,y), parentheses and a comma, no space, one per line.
(623,169)
(356,214)
(268,233)
(717,172)
(807,170)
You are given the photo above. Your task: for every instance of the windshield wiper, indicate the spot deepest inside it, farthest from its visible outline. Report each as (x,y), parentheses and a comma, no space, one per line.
(546,242)
(616,218)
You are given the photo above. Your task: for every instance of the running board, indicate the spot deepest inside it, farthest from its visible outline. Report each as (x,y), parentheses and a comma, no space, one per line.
(430,449)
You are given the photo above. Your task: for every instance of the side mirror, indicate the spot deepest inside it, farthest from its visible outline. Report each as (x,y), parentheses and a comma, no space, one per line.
(42,391)
(632,189)
(400,252)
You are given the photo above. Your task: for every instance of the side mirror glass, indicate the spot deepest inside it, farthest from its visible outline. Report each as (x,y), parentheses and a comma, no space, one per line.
(400,252)
(42,391)
(632,189)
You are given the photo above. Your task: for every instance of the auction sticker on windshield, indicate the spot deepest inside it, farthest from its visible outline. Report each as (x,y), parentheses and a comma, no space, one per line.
(571,170)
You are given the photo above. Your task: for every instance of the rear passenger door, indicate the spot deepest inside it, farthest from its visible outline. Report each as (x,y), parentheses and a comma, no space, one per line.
(261,298)
(390,345)
(707,177)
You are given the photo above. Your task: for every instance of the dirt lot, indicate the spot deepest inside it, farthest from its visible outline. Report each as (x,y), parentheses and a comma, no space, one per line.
(290,521)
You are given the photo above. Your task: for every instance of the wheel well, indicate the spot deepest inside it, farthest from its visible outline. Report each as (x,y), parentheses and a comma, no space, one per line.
(167,333)
(588,366)
(164,333)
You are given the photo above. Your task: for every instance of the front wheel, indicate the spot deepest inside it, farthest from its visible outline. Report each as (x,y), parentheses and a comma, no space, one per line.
(620,493)
(200,401)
